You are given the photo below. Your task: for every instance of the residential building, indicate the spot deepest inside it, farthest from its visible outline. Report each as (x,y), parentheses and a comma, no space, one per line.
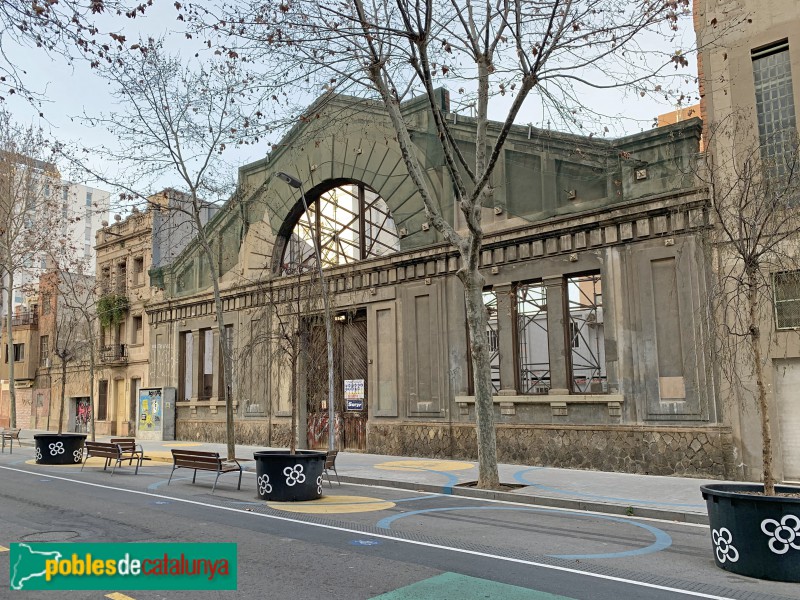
(749,66)
(127,250)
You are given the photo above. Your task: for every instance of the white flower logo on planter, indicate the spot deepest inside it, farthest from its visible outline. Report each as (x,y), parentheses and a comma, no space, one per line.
(56,448)
(77,455)
(784,535)
(38,454)
(726,551)
(264,486)
(294,475)
(319,485)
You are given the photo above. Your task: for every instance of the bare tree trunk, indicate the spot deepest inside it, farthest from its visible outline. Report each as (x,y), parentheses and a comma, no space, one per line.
(227,370)
(63,394)
(484,410)
(12,392)
(763,408)
(91,387)
(293,440)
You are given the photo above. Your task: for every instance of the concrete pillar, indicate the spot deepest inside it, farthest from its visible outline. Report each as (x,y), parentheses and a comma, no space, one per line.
(505,333)
(555,293)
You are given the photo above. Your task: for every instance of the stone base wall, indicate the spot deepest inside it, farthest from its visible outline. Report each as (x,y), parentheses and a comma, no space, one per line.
(687,451)
(248,433)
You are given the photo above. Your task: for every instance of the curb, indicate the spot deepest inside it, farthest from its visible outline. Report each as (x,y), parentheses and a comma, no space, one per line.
(546,501)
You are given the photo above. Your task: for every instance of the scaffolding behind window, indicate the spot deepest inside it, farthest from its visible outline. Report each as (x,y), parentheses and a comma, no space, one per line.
(587,350)
(534,361)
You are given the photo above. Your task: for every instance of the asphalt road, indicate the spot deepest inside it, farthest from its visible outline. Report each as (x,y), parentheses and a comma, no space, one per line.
(366,542)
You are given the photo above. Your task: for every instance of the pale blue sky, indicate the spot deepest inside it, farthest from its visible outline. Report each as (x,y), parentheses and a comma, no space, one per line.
(73,90)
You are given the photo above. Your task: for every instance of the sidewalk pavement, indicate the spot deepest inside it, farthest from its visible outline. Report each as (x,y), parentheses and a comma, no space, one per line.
(651,496)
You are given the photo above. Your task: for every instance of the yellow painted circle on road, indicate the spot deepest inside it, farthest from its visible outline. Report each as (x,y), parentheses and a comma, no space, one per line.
(182,445)
(334,504)
(424,465)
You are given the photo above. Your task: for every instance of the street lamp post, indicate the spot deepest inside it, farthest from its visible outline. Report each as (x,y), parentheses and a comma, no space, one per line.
(297,184)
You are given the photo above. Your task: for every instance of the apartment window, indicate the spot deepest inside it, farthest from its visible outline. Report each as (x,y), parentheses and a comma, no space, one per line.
(88,198)
(787,299)
(122,276)
(19,352)
(102,400)
(105,280)
(44,350)
(772,75)
(138,324)
(138,270)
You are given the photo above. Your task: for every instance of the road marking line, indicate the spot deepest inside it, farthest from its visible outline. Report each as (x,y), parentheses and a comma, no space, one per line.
(356,532)
(512,503)
(118,596)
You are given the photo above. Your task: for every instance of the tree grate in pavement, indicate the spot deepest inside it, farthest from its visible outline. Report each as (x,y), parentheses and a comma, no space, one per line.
(588,567)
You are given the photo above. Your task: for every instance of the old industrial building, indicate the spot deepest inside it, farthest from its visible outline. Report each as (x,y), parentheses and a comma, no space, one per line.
(594,257)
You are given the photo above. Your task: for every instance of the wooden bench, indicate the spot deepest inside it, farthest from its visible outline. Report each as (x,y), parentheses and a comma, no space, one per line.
(108,451)
(204,461)
(130,449)
(10,435)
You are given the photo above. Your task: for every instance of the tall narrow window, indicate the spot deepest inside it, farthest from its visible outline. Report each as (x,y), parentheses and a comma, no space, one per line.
(44,350)
(534,360)
(493,337)
(588,359)
(207,361)
(777,125)
(186,373)
(138,326)
(102,400)
(138,270)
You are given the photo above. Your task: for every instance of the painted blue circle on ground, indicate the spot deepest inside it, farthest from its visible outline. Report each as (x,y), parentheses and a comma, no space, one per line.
(364,542)
(662,539)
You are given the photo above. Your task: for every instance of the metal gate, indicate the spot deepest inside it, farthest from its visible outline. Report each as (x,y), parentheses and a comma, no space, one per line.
(350,363)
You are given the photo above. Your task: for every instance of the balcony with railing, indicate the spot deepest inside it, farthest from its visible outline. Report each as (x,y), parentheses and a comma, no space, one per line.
(25,318)
(115,353)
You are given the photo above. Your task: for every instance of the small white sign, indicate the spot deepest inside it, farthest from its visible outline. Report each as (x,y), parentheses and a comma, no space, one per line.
(353,389)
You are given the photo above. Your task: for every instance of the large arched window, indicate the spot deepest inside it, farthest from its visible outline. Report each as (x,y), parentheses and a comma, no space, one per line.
(350,223)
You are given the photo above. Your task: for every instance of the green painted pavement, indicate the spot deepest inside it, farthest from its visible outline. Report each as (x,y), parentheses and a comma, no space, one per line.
(452,586)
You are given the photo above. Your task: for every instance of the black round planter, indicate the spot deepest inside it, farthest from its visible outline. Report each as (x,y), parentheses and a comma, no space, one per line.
(285,477)
(756,536)
(59,448)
